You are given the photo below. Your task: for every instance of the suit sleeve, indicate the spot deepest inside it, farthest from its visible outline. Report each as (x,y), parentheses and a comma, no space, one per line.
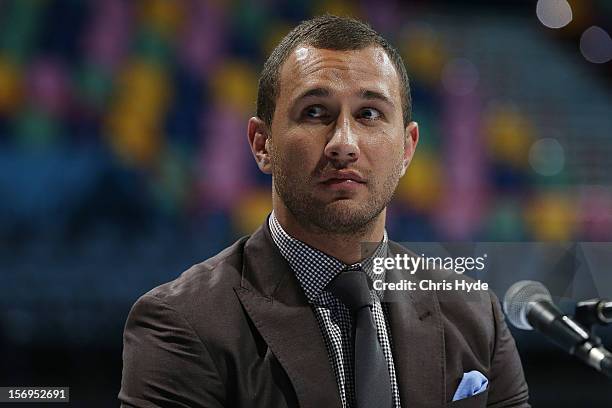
(165,363)
(507,383)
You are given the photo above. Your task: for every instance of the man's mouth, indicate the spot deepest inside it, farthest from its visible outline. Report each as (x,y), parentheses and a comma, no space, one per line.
(344,181)
(343,177)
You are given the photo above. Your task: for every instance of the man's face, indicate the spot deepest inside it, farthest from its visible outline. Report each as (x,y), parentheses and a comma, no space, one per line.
(338,143)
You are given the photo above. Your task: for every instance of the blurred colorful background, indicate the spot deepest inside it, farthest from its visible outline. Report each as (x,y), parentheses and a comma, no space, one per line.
(124,158)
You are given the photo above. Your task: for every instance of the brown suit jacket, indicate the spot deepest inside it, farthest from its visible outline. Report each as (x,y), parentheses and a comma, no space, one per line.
(237,331)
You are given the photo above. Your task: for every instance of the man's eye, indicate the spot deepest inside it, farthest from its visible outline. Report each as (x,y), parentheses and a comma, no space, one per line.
(370,114)
(315,111)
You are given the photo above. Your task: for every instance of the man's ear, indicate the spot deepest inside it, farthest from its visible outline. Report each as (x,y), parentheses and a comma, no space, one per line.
(258,134)
(411,139)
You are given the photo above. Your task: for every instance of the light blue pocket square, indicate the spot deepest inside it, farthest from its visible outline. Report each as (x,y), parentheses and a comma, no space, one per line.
(472,383)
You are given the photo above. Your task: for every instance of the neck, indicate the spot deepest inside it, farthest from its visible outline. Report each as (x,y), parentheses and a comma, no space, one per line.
(347,247)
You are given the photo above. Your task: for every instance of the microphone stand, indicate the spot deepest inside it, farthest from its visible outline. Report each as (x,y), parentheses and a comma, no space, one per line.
(594,312)
(591,313)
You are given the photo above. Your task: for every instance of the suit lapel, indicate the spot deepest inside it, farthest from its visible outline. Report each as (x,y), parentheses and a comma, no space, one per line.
(273,299)
(418,342)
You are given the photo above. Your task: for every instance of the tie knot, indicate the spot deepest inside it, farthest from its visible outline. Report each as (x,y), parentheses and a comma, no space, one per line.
(351,288)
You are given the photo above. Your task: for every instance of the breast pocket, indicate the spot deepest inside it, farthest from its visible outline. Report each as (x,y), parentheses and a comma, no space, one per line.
(476,401)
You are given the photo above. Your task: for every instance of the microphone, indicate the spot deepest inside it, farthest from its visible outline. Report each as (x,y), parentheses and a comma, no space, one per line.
(528,305)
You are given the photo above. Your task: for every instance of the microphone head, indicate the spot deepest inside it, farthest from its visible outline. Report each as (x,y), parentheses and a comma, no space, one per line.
(520,298)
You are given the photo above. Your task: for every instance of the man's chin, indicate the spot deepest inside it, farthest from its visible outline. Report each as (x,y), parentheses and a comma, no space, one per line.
(343,216)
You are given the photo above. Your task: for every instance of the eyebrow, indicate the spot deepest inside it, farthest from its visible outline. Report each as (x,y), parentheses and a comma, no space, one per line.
(315,92)
(363,93)
(375,95)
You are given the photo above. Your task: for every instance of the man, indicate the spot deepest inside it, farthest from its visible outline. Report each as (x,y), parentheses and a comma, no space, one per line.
(287,317)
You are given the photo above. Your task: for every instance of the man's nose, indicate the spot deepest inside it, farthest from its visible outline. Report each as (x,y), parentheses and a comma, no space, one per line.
(343,147)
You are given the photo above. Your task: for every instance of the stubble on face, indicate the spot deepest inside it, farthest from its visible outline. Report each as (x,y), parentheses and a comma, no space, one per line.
(339,217)
(297,147)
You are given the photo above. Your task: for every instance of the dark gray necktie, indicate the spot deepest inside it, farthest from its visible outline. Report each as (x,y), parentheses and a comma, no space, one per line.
(372,382)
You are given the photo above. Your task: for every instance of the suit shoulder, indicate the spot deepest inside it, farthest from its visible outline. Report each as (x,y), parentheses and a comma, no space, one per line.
(204,280)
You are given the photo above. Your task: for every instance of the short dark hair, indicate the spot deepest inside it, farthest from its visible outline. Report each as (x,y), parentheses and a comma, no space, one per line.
(331,33)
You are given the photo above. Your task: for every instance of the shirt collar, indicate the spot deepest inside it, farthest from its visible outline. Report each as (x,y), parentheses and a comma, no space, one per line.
(315,269)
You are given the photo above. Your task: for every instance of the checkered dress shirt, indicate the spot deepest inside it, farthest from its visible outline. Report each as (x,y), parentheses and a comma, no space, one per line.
(314,270)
